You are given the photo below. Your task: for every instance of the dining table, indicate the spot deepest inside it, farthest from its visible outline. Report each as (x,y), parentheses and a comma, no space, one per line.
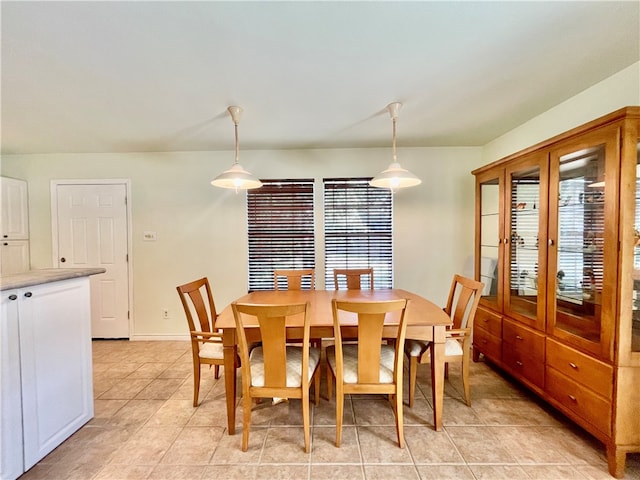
(425,321)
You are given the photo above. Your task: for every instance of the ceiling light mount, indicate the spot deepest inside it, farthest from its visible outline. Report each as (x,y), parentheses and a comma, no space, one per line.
(236,177)
(395,176)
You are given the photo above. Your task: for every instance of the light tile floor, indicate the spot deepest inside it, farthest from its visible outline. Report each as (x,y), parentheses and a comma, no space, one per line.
(145,427)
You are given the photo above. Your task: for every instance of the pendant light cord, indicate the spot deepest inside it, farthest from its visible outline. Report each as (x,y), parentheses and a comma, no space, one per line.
(395,157)
(237,148)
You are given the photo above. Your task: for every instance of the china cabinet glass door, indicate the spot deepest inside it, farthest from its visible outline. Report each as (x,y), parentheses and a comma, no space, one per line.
(581,290)
(491,235)
(635,325)
(526,231)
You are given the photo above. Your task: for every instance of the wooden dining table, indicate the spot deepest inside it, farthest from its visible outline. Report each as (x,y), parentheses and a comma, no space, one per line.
(425,321)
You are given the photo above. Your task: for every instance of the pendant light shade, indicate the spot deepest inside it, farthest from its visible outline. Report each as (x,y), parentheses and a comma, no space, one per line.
(395,176)
(236,177)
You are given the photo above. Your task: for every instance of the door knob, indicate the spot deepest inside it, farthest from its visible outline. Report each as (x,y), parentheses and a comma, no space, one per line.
(63,259)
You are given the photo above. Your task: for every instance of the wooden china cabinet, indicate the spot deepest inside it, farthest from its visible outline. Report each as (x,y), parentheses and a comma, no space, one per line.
(558,248)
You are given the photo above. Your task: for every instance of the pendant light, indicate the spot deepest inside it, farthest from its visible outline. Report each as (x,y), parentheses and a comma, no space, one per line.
(395,176)
(236,177)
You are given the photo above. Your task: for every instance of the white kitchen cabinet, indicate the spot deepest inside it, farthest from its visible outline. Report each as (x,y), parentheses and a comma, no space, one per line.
(47,385)
(11,457)
(14,256)
(14,226)
(14,222)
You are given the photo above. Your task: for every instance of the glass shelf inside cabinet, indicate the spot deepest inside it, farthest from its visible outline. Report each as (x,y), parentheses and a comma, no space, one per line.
(524,241)
(580,245)
(635,333)
(489,237)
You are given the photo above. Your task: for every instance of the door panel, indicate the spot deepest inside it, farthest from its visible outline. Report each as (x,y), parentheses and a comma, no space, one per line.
(92,232)
(583,228)
(490,231)
(525,226)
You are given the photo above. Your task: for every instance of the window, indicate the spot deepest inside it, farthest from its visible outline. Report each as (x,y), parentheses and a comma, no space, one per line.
(358,229)
(280,229)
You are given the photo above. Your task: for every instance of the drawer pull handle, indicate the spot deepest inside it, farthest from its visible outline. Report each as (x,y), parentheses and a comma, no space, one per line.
(13,297)
(519,363)
(518,337)
(573,365)
(572,398)
(28,294)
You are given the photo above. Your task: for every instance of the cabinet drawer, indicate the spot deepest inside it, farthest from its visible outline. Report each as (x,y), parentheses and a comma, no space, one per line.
(580,400)
(523,340)
(596,375)
(523,365)
(488,344)
(488,321)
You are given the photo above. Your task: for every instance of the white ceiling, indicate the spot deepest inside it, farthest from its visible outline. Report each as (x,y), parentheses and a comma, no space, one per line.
(158,76)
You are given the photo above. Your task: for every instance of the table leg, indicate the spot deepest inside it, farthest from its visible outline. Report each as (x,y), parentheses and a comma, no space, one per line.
(230,354)
(437,375)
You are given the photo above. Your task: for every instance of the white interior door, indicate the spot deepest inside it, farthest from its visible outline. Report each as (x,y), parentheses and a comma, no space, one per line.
(92,231)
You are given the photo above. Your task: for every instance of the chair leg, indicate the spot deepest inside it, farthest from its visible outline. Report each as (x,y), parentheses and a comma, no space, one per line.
(446,370)
(465,379)
(316,387)
(330,379)
(305,420)
(399,418)
(413,374)
(196,383)
(216,371)
(246,421)
(339,413)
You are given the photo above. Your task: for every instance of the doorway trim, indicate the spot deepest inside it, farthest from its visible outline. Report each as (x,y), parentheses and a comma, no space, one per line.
(54,229)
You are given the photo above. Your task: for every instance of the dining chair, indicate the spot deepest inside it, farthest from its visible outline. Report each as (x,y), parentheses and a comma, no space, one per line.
(368,366)
(294,278)
(206,340)
(275,369)
(352,277)
(466,293)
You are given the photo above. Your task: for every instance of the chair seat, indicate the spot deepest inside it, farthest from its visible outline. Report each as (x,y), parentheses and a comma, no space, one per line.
(211,350)
(350,355)
(294,365)
(415,348)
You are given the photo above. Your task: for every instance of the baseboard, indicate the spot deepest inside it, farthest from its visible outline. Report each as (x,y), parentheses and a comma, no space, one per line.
(159,337)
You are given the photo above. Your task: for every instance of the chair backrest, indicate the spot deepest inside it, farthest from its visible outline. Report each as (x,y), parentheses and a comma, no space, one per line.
(352,277)
(465,293)
(202,305)
(370,321)
(294,278)
(271,319)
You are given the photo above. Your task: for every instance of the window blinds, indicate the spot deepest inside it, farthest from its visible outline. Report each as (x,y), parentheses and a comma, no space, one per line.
(280,229)
(358,229)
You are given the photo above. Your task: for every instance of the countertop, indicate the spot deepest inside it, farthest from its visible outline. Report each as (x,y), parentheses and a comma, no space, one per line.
(48,275)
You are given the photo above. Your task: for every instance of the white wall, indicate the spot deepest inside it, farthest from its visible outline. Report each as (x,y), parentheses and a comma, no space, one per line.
(201,230)
(620,90)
